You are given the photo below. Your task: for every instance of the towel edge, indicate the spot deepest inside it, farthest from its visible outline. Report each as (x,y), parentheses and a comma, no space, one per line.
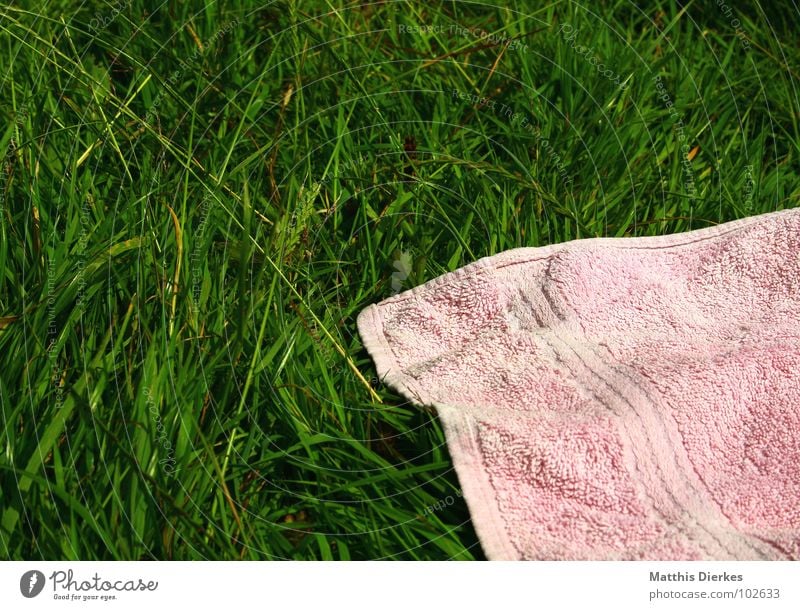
(479,494)
(529,253)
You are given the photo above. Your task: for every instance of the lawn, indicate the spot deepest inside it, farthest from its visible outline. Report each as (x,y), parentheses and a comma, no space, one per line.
(196,203)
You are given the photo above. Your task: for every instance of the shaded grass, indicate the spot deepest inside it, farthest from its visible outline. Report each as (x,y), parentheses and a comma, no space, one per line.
(197,204)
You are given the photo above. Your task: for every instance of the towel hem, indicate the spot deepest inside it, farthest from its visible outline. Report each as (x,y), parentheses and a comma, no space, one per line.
(480,496)
(531,253)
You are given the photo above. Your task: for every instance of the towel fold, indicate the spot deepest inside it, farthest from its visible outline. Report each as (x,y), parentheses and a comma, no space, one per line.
(616,398)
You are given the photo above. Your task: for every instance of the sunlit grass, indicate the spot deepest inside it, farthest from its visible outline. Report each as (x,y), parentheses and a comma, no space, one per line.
(196,206)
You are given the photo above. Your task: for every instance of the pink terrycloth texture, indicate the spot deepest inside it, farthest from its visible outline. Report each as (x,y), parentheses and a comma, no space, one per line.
(632,398)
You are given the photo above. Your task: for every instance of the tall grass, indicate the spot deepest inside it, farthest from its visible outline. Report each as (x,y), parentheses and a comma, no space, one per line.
(198,201)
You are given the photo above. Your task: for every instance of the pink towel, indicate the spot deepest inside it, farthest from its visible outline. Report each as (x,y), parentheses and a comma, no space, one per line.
(632,398)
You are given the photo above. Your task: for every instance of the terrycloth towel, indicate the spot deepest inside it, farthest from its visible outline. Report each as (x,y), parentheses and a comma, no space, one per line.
(631,398)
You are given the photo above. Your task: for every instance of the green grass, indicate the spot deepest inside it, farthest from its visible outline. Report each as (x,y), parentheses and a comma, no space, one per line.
(196,204)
